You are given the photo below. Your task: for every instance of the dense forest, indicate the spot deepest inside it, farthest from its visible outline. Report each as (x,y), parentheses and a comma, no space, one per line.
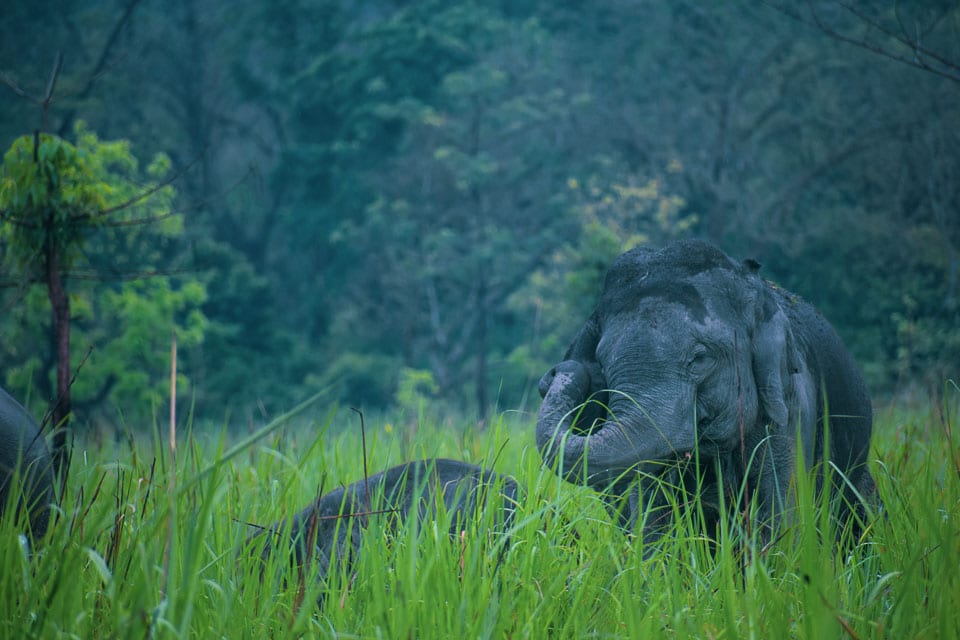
(413,202)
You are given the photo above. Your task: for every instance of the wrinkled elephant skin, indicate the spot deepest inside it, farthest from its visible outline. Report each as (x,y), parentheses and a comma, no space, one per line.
(694,371)
(329,532)
(25,465)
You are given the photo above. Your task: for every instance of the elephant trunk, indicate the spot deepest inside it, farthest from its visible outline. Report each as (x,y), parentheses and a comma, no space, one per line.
(565,390)
(628,440)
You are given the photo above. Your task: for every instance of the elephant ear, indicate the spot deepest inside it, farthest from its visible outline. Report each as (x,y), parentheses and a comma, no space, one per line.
(775,360)
(583,348)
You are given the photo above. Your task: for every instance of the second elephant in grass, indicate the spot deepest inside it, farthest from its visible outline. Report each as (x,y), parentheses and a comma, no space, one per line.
(694,372)
(329,533)
(26,468)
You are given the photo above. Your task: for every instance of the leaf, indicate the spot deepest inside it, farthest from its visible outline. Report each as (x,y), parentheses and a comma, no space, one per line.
(100,565)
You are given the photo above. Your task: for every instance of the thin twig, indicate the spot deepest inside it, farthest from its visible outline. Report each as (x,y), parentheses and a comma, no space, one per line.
(950,67)
(143,195)
(363,443)
(7,80)
(51,85)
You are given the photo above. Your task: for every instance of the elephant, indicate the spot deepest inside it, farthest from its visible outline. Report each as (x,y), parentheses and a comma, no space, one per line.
(694,374)
(329,533)
(25,466)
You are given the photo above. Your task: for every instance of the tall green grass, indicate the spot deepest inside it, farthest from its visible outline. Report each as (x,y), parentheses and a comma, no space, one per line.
(128,559)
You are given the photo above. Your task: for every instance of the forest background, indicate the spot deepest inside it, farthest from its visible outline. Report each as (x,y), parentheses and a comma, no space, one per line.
(414,203)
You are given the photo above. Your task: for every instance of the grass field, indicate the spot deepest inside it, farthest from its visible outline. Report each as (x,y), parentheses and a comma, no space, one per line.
(133,558)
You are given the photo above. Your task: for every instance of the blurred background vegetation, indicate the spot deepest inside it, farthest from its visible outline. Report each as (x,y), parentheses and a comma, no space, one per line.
(414,202)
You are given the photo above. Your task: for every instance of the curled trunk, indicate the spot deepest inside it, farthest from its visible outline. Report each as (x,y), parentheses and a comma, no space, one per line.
(582,449)
(569,438)
(565,390)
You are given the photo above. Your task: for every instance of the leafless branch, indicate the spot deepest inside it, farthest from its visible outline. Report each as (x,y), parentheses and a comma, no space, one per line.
(8,216)
(144,195)
(8,282)
(904,38)
(52,82)
(7,80)
(47,100)
(135,222)
(125,276)
(100,67)
(797,186)
(92,220)
(921,55)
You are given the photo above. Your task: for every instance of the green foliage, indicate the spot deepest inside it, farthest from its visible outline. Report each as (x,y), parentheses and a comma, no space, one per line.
(121,341)
(440,185)
(368,380)
(415,389)
(104,570)
(110,224)
(251,363)
(137,324)
(48,192)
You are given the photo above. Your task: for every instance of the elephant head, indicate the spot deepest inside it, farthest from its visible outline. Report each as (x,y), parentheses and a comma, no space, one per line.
(697,356)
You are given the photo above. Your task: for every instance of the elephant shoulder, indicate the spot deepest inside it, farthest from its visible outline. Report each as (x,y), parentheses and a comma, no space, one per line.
(833,366)
(810,327)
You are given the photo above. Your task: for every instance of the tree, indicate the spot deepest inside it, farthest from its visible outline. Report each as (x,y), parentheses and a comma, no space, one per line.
(888,213)
(376,177)
(921,35)
(79,211)
(458,211)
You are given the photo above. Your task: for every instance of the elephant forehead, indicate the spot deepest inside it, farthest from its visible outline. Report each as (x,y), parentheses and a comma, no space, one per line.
(664,331)
(719,294)
(657,296)
(660,333)
(677,260)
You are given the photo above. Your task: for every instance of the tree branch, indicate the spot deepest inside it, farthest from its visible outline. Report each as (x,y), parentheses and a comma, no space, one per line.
(125,276)
(949,69)
(140,197)
(100,68)
(903,37)
(7,80)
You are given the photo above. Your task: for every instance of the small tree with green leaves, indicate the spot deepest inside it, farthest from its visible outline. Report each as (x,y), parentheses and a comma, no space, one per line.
(80,212)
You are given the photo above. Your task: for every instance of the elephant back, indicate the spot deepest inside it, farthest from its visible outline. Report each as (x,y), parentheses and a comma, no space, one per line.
(24,453)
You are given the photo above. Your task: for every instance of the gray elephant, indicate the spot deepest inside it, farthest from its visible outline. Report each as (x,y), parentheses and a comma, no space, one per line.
(25,464)
(694,374)
(329,532)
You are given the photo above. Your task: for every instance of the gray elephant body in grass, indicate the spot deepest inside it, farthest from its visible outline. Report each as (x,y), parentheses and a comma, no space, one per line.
(695,372)
(24,463)
(329,532)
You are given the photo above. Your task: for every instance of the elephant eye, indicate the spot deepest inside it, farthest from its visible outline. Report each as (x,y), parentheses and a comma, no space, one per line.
(701,359)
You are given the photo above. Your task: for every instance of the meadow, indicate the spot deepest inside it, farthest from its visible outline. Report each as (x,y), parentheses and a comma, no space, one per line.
(139,552)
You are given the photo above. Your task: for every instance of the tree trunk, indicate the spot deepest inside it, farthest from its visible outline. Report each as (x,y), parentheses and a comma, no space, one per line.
(60,306)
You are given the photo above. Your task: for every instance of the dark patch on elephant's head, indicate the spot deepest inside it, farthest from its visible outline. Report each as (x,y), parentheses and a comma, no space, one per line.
(679,260)
(666,275)
(657,293)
